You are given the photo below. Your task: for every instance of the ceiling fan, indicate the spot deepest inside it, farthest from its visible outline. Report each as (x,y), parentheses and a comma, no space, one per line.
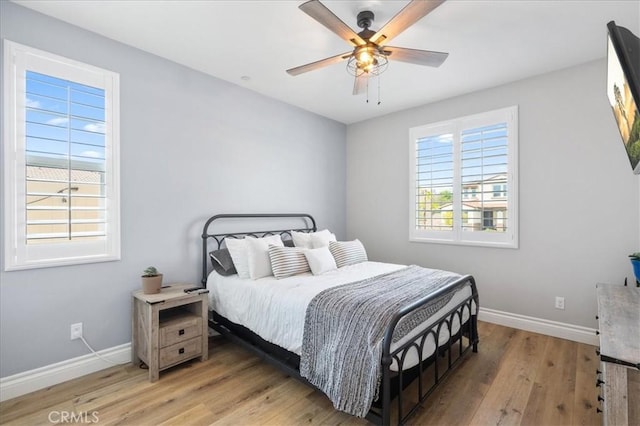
(370,54)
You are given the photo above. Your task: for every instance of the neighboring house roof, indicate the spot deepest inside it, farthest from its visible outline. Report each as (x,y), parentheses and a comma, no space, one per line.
(57,174)
(501,177)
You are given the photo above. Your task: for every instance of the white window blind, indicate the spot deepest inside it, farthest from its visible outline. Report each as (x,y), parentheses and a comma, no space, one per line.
(61,162)
(484,164)
(65,160)
(434,182)
(464,180)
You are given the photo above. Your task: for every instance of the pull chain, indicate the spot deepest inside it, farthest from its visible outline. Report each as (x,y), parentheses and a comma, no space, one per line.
(368,89)
(369,78)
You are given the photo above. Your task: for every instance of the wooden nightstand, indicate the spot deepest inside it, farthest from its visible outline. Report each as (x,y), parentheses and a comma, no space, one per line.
(168,328)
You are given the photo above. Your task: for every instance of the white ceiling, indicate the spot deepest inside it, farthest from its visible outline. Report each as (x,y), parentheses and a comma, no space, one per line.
(490,43)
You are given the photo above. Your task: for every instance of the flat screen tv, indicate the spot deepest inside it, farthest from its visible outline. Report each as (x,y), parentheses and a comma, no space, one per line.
(623,88)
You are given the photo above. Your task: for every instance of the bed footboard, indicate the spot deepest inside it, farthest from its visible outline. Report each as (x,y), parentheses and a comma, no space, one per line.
(468,332)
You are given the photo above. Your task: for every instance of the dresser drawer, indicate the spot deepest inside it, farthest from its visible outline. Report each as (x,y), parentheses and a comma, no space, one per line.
(179,329)
(179,352)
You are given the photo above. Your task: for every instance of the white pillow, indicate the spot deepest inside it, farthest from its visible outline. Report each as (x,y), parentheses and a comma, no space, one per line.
(322,239)
(301,239)
(320,260)
(348,252)
(258,255)
(238,251)
(305,239)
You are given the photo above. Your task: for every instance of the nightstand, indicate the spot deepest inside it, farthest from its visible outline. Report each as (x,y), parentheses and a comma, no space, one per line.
(168,328)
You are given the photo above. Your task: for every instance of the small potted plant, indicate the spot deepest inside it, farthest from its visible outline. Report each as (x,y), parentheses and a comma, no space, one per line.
(151,281)
(635,262)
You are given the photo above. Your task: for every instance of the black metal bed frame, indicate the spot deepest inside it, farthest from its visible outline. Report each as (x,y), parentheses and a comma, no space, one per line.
(391,380)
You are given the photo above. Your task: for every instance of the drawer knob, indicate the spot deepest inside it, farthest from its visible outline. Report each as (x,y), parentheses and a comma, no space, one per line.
(597,317)
(181,332)
(597,332)
(598,371)
(599,383)
(181,350)
(598,410)
(600,398)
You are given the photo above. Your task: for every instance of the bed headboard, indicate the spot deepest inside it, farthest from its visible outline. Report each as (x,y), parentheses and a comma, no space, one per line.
(213,240)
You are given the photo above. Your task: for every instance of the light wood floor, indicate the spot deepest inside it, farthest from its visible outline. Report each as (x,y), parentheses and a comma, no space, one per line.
(516,378)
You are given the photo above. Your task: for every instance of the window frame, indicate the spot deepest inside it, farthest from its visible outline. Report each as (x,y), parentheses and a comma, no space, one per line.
(18,255)
(457,235)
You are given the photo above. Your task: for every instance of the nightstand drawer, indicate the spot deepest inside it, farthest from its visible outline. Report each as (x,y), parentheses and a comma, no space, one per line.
(179,329)
(179,352)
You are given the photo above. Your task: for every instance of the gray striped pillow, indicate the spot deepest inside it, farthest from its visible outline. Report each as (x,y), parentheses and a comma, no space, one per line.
(347,252)
(287,261)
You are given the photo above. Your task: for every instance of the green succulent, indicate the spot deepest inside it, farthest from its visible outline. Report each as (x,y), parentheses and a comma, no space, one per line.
(151,271)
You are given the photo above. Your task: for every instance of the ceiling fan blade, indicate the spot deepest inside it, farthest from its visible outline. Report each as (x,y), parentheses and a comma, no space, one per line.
(408,16)
(415,56)
(318,64)
(320,13)
(360,84)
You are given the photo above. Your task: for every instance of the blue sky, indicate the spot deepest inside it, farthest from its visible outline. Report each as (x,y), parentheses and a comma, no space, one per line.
(64,119)
(483,155)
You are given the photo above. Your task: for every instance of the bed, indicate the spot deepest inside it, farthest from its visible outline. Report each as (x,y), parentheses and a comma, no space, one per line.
(422,338)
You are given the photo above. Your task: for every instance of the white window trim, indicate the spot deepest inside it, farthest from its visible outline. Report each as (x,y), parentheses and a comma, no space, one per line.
(17,254)
(457,236)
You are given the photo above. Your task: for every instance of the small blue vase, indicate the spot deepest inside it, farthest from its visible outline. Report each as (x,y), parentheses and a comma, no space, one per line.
(636,269)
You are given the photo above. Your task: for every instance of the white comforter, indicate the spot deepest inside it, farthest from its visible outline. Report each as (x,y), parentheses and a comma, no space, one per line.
(275,309)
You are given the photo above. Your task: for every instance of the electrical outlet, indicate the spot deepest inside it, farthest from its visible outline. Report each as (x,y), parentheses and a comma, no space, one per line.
(559,302)
(76,331)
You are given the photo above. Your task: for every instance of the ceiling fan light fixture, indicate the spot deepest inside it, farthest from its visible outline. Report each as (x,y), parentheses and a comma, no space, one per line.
(364,56)
(367,60)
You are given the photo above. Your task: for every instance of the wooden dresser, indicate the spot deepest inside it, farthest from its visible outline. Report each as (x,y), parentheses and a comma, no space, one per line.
(619,373)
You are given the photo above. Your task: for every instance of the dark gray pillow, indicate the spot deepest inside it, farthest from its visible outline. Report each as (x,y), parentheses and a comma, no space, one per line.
(288,243)
(222,262)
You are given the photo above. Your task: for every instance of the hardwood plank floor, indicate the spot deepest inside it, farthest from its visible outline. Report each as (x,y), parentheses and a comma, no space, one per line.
(516,378)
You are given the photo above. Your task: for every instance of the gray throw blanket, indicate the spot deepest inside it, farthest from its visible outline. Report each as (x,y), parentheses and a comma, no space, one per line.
(344,328)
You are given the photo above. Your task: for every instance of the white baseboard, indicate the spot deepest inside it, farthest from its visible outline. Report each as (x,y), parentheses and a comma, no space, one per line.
(30,381)
(49,375)
(572,332)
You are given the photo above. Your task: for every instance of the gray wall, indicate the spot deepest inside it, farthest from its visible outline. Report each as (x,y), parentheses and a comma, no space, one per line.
(191,146)
(579,206)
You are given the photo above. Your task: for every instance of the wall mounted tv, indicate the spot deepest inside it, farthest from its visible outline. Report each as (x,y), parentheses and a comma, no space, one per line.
(623,88)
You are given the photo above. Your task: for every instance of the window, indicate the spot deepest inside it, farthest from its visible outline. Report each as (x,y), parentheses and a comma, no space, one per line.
(463,180)
(61,160)
(499,191)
